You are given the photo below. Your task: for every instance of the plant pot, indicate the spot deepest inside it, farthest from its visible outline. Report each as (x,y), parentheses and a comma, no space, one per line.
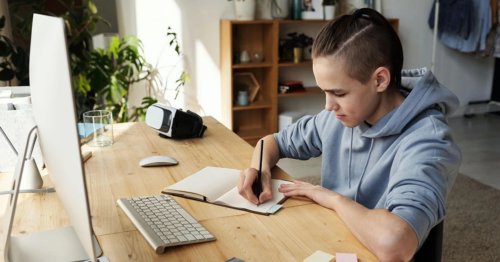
(297,54)
(280,9)
(329,12)
(243,98)
(245,10)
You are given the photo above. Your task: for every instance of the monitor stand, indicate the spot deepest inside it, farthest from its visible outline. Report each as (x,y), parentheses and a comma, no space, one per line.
(62,244)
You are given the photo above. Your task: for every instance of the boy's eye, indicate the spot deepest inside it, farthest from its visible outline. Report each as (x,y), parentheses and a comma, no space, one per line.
(337,95)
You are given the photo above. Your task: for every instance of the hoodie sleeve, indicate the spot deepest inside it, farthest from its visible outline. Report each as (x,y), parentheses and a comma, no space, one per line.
(301,140)
(428,166)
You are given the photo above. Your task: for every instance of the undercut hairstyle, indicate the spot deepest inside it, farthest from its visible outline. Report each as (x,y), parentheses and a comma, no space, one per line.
(363,41)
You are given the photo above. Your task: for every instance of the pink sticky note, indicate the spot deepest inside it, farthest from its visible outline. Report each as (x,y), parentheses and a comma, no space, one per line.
(345,257)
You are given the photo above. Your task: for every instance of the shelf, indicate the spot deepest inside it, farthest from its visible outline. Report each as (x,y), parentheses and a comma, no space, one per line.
(254,133)
(309,91)
(316,21)
(253,65)
(303,63)
(259,104)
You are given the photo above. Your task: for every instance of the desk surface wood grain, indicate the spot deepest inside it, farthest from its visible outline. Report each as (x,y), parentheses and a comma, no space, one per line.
(295,232)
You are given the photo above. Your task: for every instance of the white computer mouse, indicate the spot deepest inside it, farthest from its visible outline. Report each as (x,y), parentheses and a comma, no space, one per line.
(158,161)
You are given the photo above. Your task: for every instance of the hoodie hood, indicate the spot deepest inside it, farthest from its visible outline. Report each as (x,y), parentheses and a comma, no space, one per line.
(422,91)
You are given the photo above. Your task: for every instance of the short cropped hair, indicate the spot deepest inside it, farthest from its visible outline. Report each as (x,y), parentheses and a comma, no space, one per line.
(363,41)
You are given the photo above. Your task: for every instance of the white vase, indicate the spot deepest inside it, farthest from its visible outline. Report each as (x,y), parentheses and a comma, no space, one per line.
(329,12)
(244,57)
(263,10)
(245,9)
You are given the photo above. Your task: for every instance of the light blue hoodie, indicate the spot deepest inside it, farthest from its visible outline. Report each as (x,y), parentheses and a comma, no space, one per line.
(407,162)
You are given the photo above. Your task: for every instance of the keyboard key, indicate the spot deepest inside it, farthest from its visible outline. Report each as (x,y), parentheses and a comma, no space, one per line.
(163,237)
(161,226)
(200,229)
(181,228)
(184,232)
(166,241)
(177,234)
(192,229)
(174,230)
(153,226)
(174,241)
(184,222)
(136,198)
(164,229)
(156,229)
(199,237)
(204,232)
(190,237)
(160,233)
(159,198)
(209,236)
(177,225)
(196,225)
(171,237)
(170,227)
(182,239)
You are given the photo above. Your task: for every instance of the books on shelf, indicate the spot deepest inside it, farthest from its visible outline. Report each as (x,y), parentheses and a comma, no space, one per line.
(285,87)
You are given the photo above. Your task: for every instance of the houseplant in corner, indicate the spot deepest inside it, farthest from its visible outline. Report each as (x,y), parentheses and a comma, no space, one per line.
(14,64)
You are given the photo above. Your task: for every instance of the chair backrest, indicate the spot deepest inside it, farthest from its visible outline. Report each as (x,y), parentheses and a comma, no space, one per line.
(432,248)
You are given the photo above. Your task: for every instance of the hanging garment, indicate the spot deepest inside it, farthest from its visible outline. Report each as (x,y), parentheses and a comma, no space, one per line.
(481,18)
(454,17)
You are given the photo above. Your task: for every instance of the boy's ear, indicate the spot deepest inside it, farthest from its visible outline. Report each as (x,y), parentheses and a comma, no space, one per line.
(382,78)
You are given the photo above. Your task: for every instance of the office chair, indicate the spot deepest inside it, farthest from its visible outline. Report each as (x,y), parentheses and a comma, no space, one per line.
(432,248)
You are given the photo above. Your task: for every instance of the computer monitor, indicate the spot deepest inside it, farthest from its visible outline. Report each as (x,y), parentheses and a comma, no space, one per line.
(55,118)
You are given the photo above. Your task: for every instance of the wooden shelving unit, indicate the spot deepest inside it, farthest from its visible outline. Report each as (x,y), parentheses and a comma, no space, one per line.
(260,118)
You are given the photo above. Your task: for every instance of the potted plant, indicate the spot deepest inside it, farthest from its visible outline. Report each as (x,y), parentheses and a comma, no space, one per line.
(14,64)
(245,9)
(296,44)
(243,94)
(329,9)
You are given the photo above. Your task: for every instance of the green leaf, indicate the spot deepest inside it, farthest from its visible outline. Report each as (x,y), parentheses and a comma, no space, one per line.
(92,26)
(92,7)
(7,74)
(5,50)
(19,57)
(2,22)
(9,42)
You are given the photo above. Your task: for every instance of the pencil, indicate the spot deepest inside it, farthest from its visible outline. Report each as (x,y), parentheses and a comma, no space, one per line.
(260,172)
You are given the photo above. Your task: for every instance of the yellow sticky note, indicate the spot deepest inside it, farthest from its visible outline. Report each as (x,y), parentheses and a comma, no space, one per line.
(320,256)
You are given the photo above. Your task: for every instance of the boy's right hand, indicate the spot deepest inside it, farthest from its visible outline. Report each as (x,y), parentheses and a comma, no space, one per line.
(245,181)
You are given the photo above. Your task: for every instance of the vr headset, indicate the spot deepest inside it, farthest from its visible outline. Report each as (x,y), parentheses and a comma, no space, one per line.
(174,123)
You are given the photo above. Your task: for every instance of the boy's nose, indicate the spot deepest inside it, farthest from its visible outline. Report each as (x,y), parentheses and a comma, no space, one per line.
(331,105)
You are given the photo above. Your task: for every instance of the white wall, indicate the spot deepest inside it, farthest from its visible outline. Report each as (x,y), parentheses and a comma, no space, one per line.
(197,23)
(469,78)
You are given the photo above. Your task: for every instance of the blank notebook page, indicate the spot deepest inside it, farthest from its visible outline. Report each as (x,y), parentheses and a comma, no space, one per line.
(233,198)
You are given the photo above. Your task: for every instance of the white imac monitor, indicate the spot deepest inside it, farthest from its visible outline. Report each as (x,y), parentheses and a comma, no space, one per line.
(55,118)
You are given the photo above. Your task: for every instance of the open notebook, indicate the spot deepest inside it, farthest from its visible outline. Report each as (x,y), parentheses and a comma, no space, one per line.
(218,186)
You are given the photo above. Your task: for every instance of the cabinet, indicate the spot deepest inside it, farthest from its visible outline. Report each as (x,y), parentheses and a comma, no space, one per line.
(260,118)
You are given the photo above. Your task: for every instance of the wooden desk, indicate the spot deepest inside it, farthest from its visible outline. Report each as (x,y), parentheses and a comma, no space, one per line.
(295,232)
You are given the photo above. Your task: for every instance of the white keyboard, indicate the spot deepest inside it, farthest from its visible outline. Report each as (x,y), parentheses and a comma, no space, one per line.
(163,222)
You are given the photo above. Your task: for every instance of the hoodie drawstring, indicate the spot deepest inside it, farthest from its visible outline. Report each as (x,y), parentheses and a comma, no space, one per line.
(350,158)
(364,169)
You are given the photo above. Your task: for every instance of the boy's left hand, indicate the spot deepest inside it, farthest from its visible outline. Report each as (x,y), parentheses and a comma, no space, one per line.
(318,194)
